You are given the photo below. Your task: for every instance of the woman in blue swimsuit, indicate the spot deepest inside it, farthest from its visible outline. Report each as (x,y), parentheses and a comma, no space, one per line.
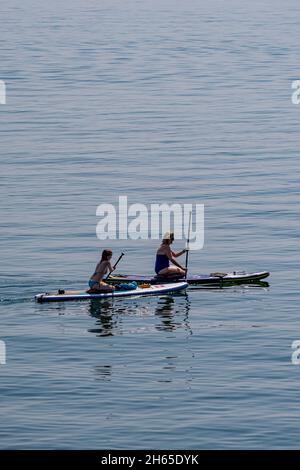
(163,257)
(96,282)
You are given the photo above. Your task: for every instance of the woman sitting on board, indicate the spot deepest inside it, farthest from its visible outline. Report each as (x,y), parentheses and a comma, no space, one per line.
(164,255)
(96,282)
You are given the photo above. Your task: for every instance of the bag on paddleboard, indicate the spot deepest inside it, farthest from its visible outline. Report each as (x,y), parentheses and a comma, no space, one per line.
(127,286)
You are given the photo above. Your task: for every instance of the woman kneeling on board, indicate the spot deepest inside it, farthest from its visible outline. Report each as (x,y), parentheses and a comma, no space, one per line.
(164,255)
(96,282)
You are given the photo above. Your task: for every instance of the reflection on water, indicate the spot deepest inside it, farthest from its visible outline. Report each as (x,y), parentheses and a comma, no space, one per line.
(103,372)
(171,311)
(164,313)
(231,286)
(107,323)
(173,315)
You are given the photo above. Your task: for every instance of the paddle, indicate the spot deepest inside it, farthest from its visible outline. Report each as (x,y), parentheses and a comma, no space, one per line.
(115,265)
(188,246)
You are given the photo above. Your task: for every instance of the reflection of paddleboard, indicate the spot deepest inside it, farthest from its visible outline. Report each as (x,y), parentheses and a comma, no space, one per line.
(156,289)
(236,277)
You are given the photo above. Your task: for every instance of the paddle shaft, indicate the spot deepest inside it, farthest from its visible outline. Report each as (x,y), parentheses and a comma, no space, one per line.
(116,263)
(188,245)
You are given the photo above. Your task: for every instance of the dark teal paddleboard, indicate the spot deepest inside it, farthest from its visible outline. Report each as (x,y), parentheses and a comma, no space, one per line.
(236,277)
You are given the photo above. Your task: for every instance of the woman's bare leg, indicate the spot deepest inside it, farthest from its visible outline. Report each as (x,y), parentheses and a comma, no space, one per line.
(101,287)
(171,271)
(106,287)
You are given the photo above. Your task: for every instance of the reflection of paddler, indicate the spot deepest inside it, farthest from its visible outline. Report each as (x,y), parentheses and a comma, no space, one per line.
(165,255)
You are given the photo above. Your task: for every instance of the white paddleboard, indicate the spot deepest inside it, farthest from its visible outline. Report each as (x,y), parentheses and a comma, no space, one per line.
(155,289)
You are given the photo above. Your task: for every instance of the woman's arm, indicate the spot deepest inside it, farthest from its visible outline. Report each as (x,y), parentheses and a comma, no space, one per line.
(170,255)
(175,255)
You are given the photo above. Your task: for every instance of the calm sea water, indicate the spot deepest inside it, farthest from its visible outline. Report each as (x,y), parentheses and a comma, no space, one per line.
(163,102)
